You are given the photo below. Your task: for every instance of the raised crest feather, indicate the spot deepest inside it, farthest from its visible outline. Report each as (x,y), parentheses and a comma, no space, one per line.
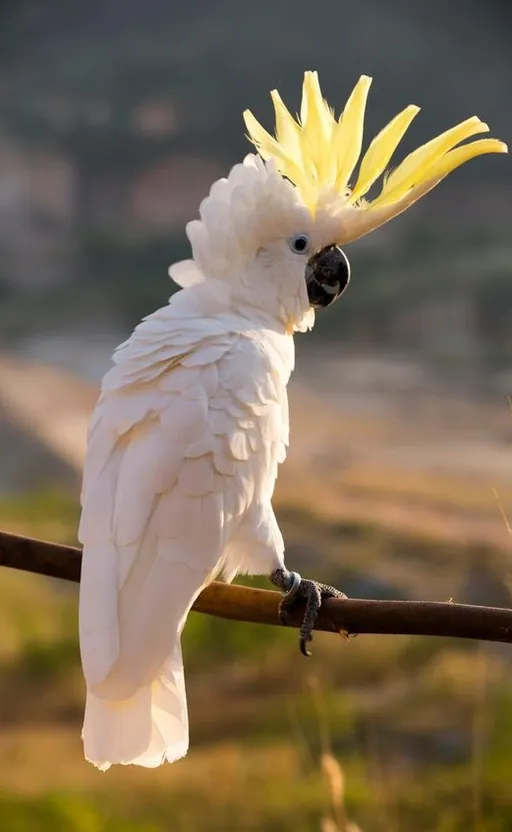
(319,153)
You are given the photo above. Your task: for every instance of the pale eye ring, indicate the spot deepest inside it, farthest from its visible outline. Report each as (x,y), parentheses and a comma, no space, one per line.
(299,243)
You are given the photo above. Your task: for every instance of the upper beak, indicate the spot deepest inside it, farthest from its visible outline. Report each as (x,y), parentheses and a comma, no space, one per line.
(327,276)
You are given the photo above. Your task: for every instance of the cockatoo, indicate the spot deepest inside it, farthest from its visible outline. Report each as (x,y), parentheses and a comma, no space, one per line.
(192,421)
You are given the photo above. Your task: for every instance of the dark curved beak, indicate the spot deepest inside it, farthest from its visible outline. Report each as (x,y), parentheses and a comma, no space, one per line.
(327,276)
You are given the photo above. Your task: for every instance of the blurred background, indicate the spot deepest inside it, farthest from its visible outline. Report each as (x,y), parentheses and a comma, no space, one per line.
(115,118)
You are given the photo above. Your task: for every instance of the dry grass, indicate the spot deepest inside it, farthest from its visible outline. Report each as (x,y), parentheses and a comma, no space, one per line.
(335,780)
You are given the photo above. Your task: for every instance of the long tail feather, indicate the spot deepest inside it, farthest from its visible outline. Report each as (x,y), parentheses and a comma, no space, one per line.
(146,730)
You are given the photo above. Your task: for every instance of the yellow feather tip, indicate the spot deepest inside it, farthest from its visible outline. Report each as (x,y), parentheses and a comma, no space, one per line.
(318,153)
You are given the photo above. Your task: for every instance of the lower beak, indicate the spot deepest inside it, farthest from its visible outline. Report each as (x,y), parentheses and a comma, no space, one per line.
(327,276)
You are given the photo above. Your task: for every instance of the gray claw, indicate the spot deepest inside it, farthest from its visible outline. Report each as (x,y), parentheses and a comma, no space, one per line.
(313,592)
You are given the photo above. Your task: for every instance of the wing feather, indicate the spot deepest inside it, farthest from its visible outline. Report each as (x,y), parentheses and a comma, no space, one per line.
(182,443)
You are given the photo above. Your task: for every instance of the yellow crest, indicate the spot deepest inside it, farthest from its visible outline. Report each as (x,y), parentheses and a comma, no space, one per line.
(318,153)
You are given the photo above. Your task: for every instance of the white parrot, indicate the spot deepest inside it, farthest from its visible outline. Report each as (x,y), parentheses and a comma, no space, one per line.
(192,420)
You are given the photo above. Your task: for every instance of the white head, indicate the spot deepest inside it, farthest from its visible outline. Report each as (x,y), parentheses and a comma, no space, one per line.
(273,228)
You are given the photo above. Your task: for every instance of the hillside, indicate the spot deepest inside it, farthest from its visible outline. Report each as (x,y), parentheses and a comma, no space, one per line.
(115,123)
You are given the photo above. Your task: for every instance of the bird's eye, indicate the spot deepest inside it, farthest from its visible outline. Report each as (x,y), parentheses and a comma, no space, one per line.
(299,243)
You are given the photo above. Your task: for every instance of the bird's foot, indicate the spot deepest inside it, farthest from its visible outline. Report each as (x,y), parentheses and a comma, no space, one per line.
(312,592)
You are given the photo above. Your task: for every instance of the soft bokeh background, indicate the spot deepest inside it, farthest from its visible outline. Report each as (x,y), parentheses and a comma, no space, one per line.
(115,117)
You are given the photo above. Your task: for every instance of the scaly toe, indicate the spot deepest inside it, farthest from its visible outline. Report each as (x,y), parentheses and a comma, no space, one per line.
(288,602)
(315,593)
(283,611)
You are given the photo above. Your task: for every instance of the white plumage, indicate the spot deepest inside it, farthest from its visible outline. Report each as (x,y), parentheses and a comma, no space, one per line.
(182,459)
(180,467)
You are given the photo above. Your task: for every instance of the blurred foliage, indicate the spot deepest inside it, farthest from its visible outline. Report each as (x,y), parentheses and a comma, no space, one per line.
(50,514)
(135,270)
(61,813)
(418,725)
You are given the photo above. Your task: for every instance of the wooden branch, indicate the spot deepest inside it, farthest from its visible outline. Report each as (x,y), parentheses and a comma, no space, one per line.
(259,606)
